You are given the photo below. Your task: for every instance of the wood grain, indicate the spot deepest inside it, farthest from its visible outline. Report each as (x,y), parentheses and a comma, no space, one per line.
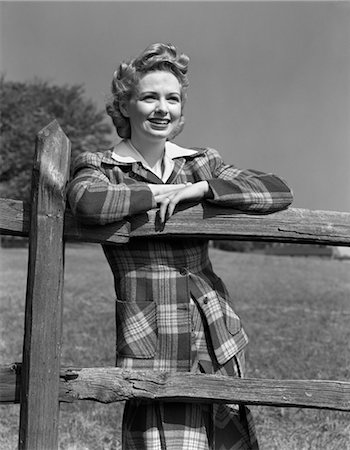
(43,313)
(202,220)
(108,385)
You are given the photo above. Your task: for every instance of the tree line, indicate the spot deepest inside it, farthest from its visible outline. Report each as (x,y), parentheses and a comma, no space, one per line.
(27,107)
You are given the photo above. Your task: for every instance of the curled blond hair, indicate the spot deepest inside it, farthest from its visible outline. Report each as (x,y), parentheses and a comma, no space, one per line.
(126,78)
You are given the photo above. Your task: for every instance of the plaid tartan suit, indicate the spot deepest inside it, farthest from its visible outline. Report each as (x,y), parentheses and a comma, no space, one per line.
(173,313)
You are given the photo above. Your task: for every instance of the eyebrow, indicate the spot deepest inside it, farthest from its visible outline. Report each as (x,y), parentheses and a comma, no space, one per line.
(155,92)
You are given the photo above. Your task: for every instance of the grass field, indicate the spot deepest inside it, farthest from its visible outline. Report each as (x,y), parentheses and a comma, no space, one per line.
(295,310)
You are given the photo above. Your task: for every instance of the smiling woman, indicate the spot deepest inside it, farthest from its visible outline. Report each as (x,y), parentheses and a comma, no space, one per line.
(154,110)
(173,312)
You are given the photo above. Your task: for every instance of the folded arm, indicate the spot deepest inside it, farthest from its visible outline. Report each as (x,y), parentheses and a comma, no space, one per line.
(94,198)
(246,189)
(225,185)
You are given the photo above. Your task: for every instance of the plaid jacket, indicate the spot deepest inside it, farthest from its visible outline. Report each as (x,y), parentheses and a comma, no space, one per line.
(170,303)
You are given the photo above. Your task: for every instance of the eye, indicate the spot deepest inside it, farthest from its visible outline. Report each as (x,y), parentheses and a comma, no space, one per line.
(148,98)
(174,99)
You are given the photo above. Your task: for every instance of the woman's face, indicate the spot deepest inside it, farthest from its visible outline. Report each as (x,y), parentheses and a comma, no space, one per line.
(154,110)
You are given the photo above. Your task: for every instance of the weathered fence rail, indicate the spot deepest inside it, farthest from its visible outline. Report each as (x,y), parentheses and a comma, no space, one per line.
(108,385)
(39,383)
(207,221)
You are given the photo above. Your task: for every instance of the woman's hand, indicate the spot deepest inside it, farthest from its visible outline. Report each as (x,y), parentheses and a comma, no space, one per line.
(160,189)
(188,192)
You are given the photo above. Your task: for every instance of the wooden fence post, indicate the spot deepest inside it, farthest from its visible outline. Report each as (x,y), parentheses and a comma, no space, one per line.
(43,317)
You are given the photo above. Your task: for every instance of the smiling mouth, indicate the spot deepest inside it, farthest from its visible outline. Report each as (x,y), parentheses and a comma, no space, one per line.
(159,121)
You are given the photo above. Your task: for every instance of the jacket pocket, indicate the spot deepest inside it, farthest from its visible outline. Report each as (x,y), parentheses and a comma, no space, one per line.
(136,329)
(233,322)
(225,330)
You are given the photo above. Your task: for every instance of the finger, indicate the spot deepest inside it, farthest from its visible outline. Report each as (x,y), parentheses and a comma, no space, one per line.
(162,197)
(158,198)
(167,189)
(177,187)
(163,209)
(171,206)
(164,189)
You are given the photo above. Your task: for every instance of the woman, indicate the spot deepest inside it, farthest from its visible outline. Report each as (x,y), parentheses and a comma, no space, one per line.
(173,313)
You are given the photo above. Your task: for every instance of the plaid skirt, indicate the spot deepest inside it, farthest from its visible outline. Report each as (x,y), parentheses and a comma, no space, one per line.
(155,425)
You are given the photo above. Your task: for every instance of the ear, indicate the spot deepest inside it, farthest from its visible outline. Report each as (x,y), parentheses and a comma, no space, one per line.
(123,106)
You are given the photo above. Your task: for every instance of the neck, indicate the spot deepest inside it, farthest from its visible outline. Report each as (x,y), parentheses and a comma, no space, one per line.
(152,151)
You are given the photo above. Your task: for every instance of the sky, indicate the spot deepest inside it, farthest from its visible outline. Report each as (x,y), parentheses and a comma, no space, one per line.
(269,81)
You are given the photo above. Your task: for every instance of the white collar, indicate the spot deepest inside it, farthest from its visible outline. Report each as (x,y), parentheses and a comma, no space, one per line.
(125,153)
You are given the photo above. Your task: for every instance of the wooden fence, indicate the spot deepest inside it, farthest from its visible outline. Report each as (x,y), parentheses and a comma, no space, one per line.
(39,383)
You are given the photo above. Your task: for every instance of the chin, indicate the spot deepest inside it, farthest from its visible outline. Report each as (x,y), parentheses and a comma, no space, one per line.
(161,134)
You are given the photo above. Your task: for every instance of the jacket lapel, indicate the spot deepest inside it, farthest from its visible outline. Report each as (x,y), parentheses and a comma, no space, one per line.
(134,169)
(178,166)
(140,173)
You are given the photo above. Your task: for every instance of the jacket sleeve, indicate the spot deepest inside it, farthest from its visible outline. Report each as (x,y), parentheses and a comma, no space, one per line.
(246,189)
(95,199)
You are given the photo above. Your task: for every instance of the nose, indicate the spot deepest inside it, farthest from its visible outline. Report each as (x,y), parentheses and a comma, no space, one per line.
(162,107)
